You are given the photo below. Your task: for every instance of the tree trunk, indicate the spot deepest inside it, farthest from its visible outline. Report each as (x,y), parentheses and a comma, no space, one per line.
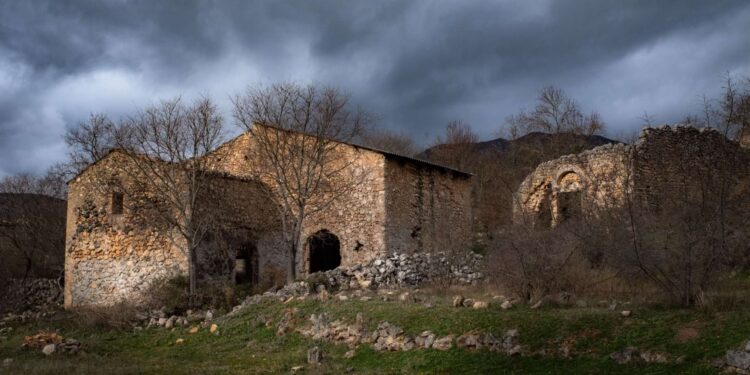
(193,277)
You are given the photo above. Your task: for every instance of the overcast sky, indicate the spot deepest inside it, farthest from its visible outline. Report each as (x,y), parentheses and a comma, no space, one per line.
(417,64)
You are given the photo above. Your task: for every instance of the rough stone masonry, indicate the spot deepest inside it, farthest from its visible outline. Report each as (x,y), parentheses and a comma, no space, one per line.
(114,252)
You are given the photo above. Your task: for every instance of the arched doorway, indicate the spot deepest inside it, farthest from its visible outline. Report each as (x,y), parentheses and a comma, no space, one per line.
(324,251)
(569,196)
(246,264)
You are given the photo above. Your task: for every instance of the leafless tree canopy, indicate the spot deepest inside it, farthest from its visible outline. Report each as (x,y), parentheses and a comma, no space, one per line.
(168,172)
(89,141)
(297,132)
(391,141)
(51,184)
(557,113)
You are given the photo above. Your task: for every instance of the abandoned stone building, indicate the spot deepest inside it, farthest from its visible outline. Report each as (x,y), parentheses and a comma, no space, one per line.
(662,161)
(114,251)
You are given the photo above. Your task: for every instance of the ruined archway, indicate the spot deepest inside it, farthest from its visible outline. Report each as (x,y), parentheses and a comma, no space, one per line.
(324,250)
(569,187)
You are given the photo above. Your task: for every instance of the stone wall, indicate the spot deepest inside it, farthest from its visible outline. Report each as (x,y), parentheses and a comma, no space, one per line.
(429,209)
(357,218)
(664,165)
(574,184)
(109,257)
(672,163)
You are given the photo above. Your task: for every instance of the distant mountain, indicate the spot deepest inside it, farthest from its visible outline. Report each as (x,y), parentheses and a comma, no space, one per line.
(32,235)
(533,140)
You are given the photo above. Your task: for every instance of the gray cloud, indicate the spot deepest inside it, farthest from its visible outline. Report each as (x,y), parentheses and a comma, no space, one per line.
(417,64)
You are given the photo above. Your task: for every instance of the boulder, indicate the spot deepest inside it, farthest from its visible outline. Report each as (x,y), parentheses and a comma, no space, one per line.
(443,343)
(314,356)
(458,301)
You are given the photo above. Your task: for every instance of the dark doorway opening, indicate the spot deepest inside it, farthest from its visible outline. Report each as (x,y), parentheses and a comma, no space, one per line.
(246,264)
(325,251)
(569,204)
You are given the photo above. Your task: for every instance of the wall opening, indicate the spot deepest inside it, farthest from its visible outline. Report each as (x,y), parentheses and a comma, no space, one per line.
(569,205)
(568,197)
(246,264)
(324,251)
(117,204)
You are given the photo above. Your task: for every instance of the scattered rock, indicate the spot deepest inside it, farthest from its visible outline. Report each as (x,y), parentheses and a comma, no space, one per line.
(214,329)
(443,343)
(480,305)
(179,341)
(209,315)
(626,313)
(507,304)
(42,339)
(194,329)
(738,359)
(314,356)
(7,362)
(649,356)
(49,349)
(425,340)
(625,356)
(286,323)
(469,340)
(405,297)
(458,301)
(350,354)
(537,304)
(296,369)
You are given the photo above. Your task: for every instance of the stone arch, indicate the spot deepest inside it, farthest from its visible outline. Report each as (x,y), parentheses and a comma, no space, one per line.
(568,194)
(324,251)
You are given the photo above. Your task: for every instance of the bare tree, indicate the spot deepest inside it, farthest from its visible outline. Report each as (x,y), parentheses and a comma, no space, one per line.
(455,148)
(298,151)
(50,184)
(89,141)
(391,141)
(32,235)
(166,145)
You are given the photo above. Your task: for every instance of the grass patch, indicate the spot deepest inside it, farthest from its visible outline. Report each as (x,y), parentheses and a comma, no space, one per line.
(244,347)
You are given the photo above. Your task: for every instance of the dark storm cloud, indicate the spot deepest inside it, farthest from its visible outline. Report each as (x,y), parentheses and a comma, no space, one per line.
(416,64)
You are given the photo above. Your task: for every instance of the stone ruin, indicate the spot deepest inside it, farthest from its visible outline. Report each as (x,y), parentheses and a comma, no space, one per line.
(115,252)
(603,178)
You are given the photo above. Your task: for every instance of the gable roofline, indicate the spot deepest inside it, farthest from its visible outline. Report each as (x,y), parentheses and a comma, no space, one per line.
(82,171)
(387,154)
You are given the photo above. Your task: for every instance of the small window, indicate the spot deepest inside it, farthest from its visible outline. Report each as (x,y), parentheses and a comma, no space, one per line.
(117,203)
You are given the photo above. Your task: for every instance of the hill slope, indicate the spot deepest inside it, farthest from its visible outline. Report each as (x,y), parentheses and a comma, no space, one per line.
(32,235)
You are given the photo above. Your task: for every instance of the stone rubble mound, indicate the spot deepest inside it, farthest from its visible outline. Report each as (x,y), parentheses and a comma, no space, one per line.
(51,342)
(397,270)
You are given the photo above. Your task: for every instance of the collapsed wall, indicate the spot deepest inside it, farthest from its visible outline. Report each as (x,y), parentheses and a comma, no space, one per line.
(573,185)
(666,163)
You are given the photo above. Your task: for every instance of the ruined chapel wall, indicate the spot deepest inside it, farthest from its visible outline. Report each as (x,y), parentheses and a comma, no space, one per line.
(602,175)
(108,258)
(669,160)
(427,209)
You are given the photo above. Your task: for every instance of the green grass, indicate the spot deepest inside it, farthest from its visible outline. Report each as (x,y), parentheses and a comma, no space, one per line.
(244,348)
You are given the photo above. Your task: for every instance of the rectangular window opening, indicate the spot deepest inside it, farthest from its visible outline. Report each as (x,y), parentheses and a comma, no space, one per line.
(117,203)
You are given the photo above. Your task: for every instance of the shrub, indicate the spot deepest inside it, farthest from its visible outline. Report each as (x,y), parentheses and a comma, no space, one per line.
(121,315)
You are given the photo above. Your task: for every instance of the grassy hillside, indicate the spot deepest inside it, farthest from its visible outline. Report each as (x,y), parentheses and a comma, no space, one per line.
(243,346)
